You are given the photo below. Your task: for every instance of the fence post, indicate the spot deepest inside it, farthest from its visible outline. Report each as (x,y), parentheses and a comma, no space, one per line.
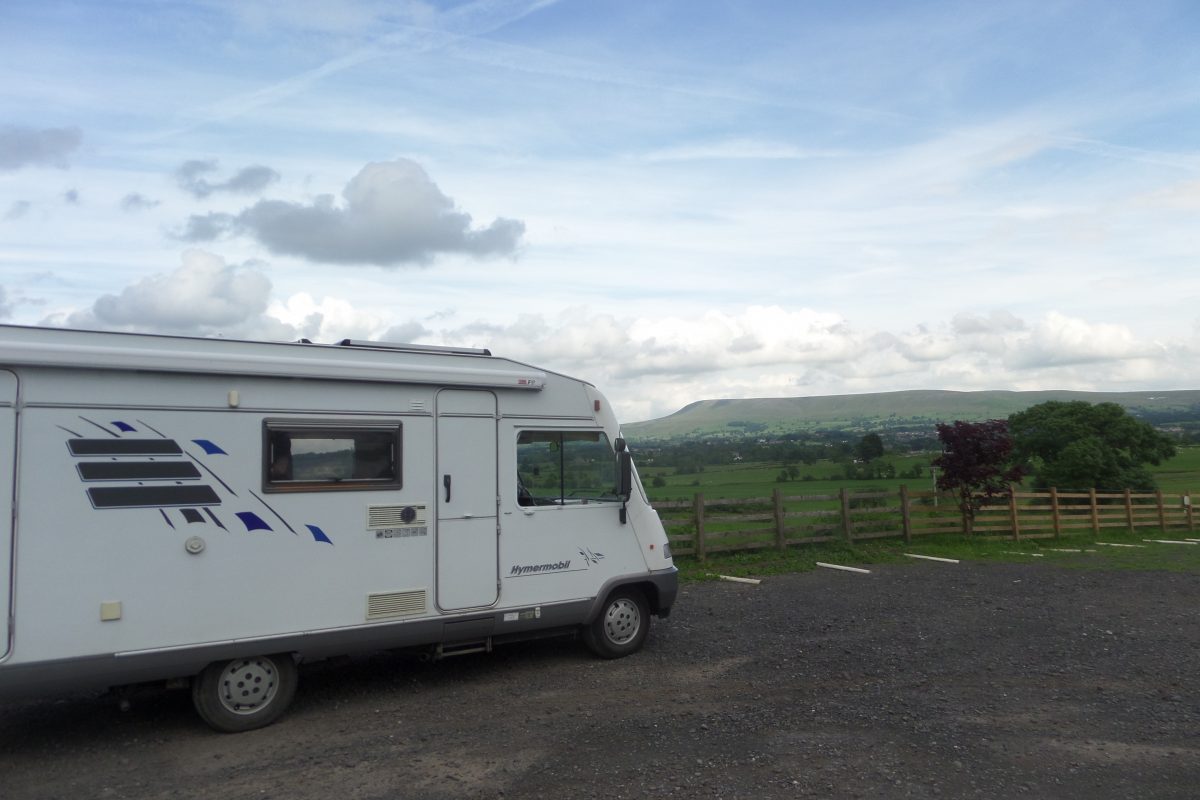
(699,513)
(1129,511)
(1012,513)
(1162,511)
(1054,514)
(905,517)
(1095,511)
(780,541)
(846,529)
(1187,502)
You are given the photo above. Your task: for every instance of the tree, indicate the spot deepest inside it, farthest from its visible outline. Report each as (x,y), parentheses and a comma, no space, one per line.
(1079,446)
(870,447)
(975,463)
(788,473)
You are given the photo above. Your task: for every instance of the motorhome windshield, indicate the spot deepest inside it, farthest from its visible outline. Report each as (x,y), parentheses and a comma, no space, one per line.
(565,467)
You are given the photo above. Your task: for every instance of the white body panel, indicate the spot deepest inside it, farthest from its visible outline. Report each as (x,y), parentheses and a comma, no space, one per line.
(146,524)
(8,398)
(580,536)
(249,581)
(467,525)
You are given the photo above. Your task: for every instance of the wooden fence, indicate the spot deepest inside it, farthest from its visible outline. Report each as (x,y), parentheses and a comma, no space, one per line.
(702,526)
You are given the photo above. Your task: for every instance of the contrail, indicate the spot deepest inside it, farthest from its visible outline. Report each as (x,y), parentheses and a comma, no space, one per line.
(473,19)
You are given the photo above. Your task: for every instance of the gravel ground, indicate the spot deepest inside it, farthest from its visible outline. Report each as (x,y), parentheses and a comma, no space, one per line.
(951,681)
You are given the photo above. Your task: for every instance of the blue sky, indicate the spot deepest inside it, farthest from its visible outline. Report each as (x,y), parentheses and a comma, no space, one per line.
(675,200)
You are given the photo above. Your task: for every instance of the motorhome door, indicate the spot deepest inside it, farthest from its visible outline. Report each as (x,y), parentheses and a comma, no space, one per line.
(8,485)
(467,529)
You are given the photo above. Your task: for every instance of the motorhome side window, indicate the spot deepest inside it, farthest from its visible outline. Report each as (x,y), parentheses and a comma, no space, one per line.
(315,457)
(556,468)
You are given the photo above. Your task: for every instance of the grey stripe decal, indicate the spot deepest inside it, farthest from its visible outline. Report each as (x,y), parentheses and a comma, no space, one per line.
(123,447)
(137,470)
(152,496)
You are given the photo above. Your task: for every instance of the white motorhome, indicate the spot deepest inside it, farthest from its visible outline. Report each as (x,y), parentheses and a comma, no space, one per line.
(220,510)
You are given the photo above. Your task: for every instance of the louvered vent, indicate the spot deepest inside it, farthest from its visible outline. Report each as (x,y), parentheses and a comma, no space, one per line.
(416,405)
(385,605)
(380,517)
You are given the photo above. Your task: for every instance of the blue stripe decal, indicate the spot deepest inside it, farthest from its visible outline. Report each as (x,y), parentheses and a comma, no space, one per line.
(124,427)
(252,521)
(168,519)
(273,511)
(210,448)
(318,534)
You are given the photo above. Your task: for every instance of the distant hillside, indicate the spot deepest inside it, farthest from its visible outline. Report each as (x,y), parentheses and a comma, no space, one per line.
(888,410)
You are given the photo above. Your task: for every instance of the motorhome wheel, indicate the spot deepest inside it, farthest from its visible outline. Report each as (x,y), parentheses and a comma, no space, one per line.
(245,693)
(622,625)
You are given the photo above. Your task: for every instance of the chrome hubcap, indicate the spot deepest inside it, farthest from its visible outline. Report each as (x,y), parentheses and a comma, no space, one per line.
(622,621)
(248,684)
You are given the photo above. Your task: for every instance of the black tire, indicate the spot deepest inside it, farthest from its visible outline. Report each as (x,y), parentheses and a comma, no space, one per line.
(621,626)
(245,693)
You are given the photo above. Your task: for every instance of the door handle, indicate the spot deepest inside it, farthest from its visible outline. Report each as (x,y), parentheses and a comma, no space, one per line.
(446,483)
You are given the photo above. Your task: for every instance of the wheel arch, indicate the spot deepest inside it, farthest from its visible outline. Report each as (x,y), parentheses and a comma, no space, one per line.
(658,589)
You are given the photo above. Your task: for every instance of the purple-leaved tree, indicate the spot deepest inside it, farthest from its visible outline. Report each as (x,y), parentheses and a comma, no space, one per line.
(975,464)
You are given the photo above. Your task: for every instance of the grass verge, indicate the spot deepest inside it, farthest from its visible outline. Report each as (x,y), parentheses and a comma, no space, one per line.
(1144,555)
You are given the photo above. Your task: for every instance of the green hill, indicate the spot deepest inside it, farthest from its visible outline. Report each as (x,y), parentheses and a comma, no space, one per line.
(889,410)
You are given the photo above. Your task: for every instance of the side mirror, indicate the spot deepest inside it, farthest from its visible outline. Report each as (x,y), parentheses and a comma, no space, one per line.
(625,470)
(624,477)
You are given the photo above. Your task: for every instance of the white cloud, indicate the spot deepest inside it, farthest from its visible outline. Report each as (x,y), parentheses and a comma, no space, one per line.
(203,296)
(1181,196)
(995,322)
(46,147)
(248,180)
(406,333)
(393,214)
(207,227)
(329,319)
(1058,340)
(653,366)
(134,201)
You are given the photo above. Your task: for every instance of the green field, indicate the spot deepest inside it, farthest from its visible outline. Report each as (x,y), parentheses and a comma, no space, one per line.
(1179,475)
(759,479)
(739,481)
